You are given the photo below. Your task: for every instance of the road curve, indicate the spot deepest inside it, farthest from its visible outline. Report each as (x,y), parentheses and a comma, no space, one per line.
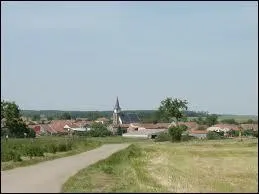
(49,176)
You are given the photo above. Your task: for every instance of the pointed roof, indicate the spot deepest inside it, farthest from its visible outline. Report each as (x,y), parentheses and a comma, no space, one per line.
(117,105)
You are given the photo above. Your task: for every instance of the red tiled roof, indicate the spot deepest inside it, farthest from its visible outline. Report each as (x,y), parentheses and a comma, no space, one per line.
(229,126)
(58,125)
(103,119)
(250,126)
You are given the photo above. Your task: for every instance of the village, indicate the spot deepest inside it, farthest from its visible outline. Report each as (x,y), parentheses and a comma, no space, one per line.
(131,125)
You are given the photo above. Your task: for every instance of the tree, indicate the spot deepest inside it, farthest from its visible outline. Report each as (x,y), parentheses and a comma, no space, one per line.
(36,117)
(211,120)
(119,131)
(99,130)
(14,126)
(173,108)
(50,118)
(65,116)
(229,121)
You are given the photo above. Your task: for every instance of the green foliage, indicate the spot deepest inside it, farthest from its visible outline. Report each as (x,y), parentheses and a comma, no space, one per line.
(119,131)
(13,149)
(98,130)
(229,121)
(9,155)
(251,121)
(187,137)
(175,133)
(65,116)
(34,150)
(172,108)
(212,135)
(211,120)
(36,117)
(233,133)
(14,126)
(164,136)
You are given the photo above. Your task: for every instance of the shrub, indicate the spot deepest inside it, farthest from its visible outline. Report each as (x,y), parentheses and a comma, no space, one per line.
(215,135)
(233,133)
(255,134)
(248,132)
(163,137)
(187,137)
(62,147)
(229,121)
(176,133)
(52,148)
(35,150)
(10,155)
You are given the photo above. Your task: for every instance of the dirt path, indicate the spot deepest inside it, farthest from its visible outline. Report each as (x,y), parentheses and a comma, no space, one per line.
(49,176)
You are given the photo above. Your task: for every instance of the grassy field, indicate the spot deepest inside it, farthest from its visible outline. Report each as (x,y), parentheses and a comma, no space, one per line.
(196,166)
(238,118)
(24,152)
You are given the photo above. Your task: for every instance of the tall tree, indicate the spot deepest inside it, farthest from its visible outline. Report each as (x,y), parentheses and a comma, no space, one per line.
(13,123)
(173,108)
(211,119)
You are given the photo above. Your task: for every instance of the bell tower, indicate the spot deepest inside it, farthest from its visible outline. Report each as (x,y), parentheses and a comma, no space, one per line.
(116,112)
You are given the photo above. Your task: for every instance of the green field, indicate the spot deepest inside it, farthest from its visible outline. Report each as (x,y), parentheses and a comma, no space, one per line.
(195,166)
(24,152)
(238,118)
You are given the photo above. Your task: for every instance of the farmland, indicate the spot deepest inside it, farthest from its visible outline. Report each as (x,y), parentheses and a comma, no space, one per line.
(195,166)
(23,152)
(238,118)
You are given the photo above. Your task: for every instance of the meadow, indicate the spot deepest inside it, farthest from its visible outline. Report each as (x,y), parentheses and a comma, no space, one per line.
(195,166)
(237,118)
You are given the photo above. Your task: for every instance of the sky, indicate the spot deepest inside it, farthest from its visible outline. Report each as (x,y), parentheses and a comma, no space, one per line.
(82,55)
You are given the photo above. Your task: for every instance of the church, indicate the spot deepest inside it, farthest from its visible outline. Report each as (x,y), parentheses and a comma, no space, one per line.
(121,118)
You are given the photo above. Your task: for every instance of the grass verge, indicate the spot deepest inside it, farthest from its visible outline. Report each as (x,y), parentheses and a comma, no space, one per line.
(196,166)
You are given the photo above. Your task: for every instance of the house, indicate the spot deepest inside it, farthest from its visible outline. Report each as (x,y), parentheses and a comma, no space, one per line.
(59,126)
(250,126)
(102,120)
(223,127)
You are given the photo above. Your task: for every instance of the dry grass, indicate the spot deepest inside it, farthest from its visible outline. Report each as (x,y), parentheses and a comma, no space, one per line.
(208,166)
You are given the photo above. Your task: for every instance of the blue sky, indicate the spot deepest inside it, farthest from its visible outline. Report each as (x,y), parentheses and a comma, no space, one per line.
(81,55)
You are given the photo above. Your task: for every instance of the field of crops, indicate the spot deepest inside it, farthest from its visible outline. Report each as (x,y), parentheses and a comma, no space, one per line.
(24,151)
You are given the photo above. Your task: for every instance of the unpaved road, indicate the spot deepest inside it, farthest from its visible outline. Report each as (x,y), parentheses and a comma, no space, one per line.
(49,176)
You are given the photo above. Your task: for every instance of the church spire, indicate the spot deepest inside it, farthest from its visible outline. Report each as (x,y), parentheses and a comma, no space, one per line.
(117,107)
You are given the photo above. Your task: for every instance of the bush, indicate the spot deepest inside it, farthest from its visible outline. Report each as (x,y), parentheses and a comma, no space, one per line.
(187,137)
(35,150)
(233,133)
(215,135)
(10,155)
(176,133)
(52,148)
(229,121)
(163,137)
(255,134)
(248,132)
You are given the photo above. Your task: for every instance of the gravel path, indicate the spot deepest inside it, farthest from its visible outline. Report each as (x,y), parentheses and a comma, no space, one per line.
(49,176)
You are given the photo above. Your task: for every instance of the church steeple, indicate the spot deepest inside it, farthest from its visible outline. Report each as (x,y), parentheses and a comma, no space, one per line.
(116,113)
(117,107)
